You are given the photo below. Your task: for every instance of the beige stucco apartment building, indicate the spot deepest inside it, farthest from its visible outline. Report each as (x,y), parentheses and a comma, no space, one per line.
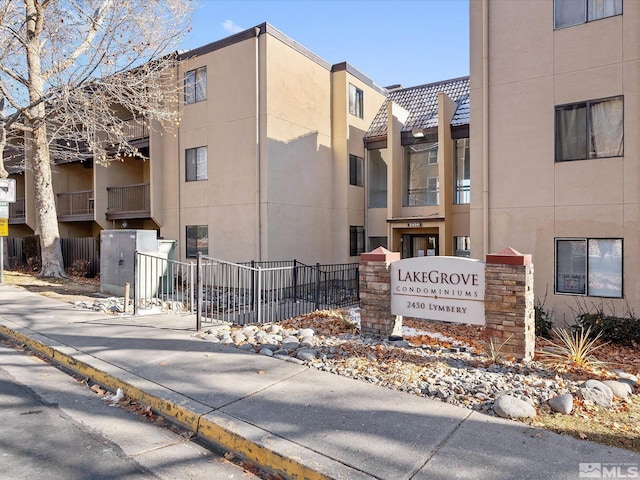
(279,155)
(257,169)
(554,137)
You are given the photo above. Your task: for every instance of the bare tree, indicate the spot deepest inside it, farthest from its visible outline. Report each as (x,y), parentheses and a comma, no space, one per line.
(70,71)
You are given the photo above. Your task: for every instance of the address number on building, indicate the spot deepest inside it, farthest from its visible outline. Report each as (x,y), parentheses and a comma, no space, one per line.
(415,224)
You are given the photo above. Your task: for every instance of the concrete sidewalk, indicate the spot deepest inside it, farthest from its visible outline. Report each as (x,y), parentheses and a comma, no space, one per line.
(293,419)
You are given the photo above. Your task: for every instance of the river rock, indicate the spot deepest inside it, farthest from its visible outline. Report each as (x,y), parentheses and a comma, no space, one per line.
(307,354)
(507,406)
(562,403)
(619,389)
(626,377)
(596,392)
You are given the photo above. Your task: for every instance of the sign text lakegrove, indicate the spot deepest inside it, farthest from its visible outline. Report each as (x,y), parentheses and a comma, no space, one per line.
(438,288)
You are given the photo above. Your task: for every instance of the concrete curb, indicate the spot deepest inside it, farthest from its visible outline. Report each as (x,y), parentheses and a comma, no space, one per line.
(223,431)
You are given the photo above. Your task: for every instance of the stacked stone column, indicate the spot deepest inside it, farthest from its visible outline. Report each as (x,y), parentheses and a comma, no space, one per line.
(509,303)
(375,292)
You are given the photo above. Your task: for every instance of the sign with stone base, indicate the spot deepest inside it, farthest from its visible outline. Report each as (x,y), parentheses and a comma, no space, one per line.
(450,289)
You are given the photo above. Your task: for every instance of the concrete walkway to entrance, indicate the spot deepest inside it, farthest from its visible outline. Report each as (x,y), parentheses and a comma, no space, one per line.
(288,417)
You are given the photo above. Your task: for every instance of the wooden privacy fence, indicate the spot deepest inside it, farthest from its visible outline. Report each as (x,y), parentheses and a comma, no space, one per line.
(73,251)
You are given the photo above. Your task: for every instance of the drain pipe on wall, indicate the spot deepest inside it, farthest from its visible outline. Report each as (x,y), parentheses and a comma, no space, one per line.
(258,156)
(485,128)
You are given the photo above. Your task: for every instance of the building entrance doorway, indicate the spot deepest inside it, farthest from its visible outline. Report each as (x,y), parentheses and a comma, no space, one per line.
(419,245)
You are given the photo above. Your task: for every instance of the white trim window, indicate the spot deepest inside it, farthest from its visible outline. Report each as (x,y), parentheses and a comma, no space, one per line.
(589,267)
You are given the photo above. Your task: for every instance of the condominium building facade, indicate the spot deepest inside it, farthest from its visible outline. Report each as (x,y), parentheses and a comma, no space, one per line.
(555,89)
(257,169)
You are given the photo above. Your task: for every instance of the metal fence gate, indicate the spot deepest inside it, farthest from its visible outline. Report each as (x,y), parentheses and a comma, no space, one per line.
(243,293)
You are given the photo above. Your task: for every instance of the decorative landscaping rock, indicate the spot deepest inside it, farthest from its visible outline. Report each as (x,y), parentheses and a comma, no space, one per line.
(266,351)
(306,332)
(307,354)
(619,389)
(596,392)
(625,377)
(562,403)
(290,343)
(507,406)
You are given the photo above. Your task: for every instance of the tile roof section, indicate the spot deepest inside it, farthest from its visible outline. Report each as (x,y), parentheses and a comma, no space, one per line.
(422,104)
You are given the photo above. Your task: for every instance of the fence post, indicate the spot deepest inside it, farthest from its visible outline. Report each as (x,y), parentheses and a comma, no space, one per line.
(295,280)
(317,292)
(191,286)
(259,300)
(136,274)
(199,292)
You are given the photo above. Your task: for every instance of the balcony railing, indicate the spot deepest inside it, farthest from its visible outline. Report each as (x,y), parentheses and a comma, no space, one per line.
(75,206)
(131,201)
(135,128)
(17,212)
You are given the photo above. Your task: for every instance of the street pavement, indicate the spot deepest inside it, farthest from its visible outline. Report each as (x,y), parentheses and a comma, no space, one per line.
(55,428)
(287,417)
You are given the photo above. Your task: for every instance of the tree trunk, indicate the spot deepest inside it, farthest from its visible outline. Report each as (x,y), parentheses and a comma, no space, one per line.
(52,263)
(51,251)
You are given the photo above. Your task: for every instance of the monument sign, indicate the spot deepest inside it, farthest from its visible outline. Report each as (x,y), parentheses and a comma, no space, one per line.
(439,288)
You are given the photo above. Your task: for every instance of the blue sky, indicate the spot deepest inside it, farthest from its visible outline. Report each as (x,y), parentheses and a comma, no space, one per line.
(408,42)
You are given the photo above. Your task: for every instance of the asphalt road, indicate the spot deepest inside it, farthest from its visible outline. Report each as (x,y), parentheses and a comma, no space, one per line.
(53,427)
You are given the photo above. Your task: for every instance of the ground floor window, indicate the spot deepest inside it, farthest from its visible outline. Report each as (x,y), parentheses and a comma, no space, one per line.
(375,242)
(589,266)
(356,240)
(462,246)
(197,240)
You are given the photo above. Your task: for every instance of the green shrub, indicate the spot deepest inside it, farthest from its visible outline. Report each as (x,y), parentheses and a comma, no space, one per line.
(620,330)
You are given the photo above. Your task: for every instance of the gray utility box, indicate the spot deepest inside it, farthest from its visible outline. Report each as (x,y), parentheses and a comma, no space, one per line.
(117,257)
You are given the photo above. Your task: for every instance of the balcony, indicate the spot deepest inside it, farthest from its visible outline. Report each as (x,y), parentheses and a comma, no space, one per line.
(135,129)
(131,201)
(17,214)
(75,206)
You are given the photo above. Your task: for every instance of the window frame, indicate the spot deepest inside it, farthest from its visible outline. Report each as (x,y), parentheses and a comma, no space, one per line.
(356,104)
(588,104)
(186,163)
(190,92)
(356,171)
(430,166)
(462,185)
(465,239)
(587,273)
(356,240)
(204,249)
(586,15)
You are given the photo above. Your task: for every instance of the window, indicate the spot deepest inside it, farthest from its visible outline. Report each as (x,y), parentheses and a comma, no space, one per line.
(197,240)
(567,13)
(462,246)
(377,180)
(375,242)
(356,240)
(592,129)
(422,175)
(462,173)
(356,101)
(356,166)
(195,85)
(196,164)
(589,266)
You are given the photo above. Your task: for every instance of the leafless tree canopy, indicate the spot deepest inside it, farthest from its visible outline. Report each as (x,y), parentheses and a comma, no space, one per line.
(73,73)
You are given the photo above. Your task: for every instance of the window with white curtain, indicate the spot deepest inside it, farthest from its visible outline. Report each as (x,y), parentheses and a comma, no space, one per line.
(567,13)
(196,164)
(592,129)
(195,85)
(356,101)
